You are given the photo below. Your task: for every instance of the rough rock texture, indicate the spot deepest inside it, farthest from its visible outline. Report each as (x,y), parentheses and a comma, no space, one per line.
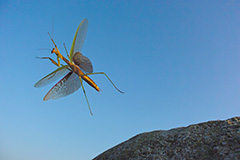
(213,140)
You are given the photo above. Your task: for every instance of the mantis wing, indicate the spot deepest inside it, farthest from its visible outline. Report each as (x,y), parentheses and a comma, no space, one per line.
(75,53)
(59,72)
(79,38)
(83,62)
(67,85)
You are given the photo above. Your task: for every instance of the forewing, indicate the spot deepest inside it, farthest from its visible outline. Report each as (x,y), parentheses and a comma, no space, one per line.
(58,73)
(83,62)
(79,38)
(67,85)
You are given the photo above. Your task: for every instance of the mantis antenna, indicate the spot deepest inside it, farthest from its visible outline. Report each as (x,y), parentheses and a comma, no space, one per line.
(52,26)
(44,49)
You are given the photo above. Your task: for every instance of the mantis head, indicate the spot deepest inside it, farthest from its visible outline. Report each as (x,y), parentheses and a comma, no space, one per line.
(53,50)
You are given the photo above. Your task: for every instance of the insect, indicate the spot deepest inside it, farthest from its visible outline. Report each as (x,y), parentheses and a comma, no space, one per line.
(77,70)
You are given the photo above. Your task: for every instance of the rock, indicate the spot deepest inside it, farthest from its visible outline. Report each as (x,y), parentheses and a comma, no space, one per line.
(213,140)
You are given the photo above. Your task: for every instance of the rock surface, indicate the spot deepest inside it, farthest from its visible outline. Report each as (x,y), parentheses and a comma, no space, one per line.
(213,140)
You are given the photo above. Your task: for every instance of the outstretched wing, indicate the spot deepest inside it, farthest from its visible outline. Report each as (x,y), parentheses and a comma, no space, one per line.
(58,73)
(75,53)
(79,38)
(67,85)
(83,62)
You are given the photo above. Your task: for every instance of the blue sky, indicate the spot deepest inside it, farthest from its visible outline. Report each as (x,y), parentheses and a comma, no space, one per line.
(177,61)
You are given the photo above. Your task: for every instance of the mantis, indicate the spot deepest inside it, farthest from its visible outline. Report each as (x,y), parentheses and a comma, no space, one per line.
(77,69)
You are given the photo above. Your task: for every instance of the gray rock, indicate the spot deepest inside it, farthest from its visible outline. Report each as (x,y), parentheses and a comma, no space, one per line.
(213,140)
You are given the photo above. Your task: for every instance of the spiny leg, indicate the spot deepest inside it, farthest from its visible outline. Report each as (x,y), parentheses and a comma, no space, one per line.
(85,96)
(57,64)
(107,78)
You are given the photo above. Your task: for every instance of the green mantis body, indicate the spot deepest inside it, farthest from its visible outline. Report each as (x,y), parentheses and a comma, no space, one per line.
(78,68)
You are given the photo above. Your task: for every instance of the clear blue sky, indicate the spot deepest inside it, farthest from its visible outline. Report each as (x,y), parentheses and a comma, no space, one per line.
(177,61)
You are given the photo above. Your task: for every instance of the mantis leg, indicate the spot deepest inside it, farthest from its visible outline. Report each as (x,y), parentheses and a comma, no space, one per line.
(57,64)
(67,67)
(107,78)
(85,96)
(66,50)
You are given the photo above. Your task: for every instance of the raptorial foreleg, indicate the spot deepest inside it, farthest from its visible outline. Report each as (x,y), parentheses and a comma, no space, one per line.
(57,64)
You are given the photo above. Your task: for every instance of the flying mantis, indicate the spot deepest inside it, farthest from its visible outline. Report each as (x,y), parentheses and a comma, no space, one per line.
(77,70)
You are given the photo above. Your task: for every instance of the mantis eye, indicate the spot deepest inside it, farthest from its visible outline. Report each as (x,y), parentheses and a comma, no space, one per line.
(53,50)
